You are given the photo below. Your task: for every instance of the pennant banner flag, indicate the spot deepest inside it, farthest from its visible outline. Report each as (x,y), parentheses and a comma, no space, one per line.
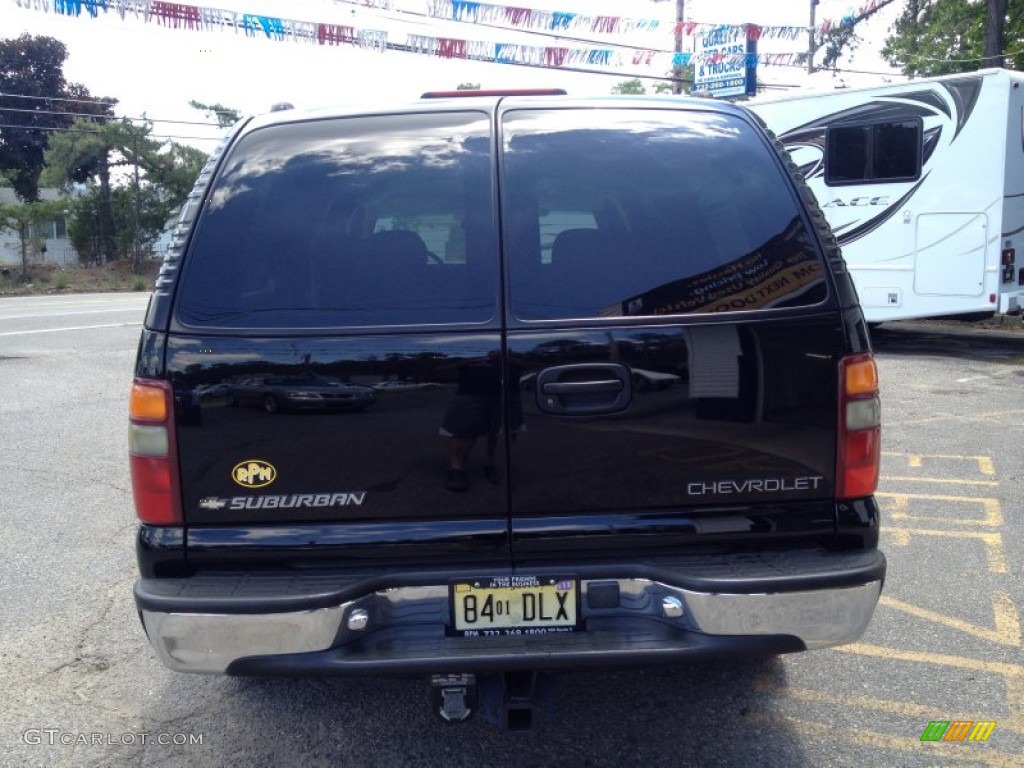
(601,57)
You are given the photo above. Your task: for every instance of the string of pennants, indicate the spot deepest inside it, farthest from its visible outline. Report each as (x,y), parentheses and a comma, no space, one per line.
(560,21)
(513,16)
(189,17)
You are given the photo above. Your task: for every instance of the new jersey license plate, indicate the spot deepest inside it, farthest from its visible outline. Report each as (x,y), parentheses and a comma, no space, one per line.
(514,605)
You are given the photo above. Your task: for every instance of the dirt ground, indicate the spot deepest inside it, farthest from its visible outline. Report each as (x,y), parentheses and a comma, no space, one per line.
(52,278)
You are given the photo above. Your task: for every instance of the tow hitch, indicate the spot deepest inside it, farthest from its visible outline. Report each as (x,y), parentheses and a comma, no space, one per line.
(515,701)
(453,697)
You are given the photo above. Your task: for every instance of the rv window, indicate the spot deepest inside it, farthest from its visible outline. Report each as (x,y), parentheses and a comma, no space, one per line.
(878,152)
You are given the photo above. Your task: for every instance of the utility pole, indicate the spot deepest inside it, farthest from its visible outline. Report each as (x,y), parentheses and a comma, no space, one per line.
(677,71)
(995,32)
(810,40)
(136,256)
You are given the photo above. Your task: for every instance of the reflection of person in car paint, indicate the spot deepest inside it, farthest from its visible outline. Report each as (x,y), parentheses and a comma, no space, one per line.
(474,413)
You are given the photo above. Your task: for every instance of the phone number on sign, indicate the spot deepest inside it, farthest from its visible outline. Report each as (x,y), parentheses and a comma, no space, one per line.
(54,736)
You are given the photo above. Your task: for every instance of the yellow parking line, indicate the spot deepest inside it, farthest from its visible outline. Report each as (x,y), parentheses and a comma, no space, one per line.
(902,708)
(1007,620)
(941,659)
(946,480)
(993,543)
(900,508)
(1012,674)
(916,460)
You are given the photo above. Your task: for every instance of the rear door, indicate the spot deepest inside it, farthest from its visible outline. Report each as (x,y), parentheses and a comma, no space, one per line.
(336,344)
(671,343)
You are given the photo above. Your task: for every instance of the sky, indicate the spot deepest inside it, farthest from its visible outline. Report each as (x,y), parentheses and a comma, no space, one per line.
(155,70)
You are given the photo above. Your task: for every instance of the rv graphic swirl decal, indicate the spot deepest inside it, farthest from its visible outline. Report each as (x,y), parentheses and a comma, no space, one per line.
(943,110)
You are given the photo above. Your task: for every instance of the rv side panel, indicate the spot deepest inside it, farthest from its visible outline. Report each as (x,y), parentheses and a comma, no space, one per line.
(916,183)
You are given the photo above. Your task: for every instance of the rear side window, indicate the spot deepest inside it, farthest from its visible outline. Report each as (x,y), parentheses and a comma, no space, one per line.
(611,213)
(368,221)
(876,152)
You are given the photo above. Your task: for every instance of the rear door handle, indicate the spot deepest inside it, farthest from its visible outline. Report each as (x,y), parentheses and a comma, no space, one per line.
(584,389)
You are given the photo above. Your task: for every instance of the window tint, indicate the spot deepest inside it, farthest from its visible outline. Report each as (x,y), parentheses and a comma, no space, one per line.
(658,212)
(880,152)
(382,220)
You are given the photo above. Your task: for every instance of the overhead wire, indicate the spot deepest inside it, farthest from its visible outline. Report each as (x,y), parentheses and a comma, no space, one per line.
(102,117)
(81,130)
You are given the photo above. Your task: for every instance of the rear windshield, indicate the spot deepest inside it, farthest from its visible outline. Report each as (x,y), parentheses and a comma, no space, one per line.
(381,220)
(612,213)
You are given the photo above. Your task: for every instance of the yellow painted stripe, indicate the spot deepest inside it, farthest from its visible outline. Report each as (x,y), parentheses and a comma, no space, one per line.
(921,712)
(900,508)
(939,659)
(1007,620)
(943,480)
(916,460)
(993,543)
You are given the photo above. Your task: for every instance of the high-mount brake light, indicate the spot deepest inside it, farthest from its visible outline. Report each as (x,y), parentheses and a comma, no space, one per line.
(152,453)
(494,92)
(858,450)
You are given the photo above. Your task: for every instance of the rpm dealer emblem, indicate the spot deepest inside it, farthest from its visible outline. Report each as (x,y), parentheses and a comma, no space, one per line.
(254,473)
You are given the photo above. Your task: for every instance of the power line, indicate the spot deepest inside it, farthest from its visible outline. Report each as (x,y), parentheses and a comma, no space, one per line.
(103,117)
(80,130)
(101,100)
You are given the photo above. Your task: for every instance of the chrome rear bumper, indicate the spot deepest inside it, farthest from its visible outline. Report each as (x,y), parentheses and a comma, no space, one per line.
(402,629)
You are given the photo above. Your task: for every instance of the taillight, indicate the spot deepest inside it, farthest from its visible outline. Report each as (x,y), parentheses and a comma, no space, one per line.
(151,453)
(859,441)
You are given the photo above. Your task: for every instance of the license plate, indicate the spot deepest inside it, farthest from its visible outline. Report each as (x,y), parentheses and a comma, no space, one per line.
(514,605)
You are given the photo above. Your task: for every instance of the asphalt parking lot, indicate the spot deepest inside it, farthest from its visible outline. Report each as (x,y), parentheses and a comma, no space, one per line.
(82,687)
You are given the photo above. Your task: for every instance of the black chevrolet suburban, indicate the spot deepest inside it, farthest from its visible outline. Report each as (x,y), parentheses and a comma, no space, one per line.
(624,407)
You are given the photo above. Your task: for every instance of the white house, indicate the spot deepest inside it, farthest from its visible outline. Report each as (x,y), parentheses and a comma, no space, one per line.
(52,233)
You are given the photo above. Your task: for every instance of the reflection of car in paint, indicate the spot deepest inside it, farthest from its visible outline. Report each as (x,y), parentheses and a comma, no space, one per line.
(644,379)
(212,392)
(396,384)
(278,393)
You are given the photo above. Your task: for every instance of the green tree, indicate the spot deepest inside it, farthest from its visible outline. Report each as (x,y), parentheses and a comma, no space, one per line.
(937,37)
(32,85)
(634,86)
(843,36)
(226,116)
(22,217)
(92,153)
(174,168)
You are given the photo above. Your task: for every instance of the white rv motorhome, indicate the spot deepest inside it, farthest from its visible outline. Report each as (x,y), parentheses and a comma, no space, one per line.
(923,184)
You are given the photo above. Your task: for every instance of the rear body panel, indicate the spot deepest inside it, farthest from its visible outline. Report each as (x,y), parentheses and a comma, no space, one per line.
(439,346)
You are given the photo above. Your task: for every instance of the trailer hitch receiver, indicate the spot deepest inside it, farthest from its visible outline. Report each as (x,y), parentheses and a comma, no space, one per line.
(453,697)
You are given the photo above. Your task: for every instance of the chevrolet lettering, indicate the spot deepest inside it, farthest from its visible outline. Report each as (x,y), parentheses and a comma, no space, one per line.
(760,485)
(496,386)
